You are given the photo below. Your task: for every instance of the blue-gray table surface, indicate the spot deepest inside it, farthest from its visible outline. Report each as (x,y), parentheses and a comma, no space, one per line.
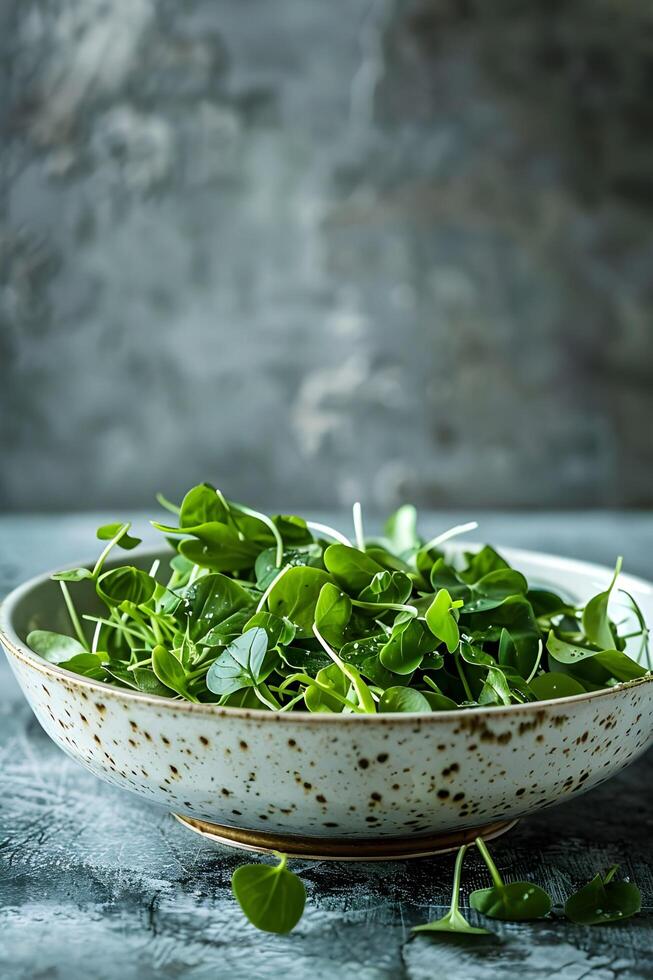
(95,883)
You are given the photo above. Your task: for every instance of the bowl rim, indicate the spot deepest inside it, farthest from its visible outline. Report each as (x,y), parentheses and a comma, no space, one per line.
(19,649)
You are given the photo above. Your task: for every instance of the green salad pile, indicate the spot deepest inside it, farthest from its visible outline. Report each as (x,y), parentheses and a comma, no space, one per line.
(288,615)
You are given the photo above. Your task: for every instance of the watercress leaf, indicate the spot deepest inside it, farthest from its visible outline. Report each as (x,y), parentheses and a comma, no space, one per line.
(548,604)
(170,671)
(266,568)
(388,586)
(439,701)
(125,584)
(293,529)
(309,661)
(401,530)
(211,600)
(244,663)
(616,663)
(454,921)
(519,901)
(444,576)
(219,548)
(352,569)
(244,698)
(87,664)
(495,688)
(332,678)
(442,622)
(202,505)
(272,898)
(500,584)
(604,900)
(481,563)
(54,647)
(72,575)
(474,655)
(140,679)
(596,622)
(515,615)
(280,631)
(404,699)
(295,596)
(554,685)
(408,645)
(332,613)
(109,531)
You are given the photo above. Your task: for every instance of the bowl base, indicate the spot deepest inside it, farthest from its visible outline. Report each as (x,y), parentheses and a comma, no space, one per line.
(341,848)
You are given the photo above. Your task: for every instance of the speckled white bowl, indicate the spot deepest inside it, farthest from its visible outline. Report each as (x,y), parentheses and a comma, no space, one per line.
(371,786)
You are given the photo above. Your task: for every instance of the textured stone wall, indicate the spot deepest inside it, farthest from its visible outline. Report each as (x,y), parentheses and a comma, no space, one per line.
(317,251)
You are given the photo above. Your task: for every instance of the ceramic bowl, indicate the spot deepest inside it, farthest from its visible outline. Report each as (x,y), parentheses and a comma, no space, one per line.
(333,785)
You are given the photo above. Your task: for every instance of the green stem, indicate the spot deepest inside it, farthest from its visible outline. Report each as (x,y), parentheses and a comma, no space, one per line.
(312,682)
(455,891)
(376,606)
(114,540)
(463,678)
(74,618)
(365,699)
(283,860)
(269,523)
(492,868)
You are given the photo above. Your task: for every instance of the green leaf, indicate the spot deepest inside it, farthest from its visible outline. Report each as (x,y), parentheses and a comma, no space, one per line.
(202,505)
(211,600)
(441,620)
(519,901)
(515,616)
(140,679)
(405,699)
(444,576)
(280,631)
(604,900)
(109,531)
(481,563)
(86,664)
(352,569)
(125,584)
(295,596)
(553,685)
(401,530)
(54,647)
(266,569)
(72,575)
(170,671)
(332,613)
(596,622)
(407,647)
(219,548)
(272,898)
(454,920)
(242,664)
(293,529)
(392,587)
(616,663)
(320,701)
(496,689)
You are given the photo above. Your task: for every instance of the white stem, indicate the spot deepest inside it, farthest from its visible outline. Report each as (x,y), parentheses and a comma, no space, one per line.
(155,567)
(277,578)
(537,663)
(96,637)
(357,511)
(451,533)
(329,531)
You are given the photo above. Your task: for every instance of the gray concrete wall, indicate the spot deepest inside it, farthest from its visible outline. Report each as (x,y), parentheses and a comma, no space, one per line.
(317,251)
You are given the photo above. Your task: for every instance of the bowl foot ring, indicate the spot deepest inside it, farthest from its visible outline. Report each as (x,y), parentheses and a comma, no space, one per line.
(342,848)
